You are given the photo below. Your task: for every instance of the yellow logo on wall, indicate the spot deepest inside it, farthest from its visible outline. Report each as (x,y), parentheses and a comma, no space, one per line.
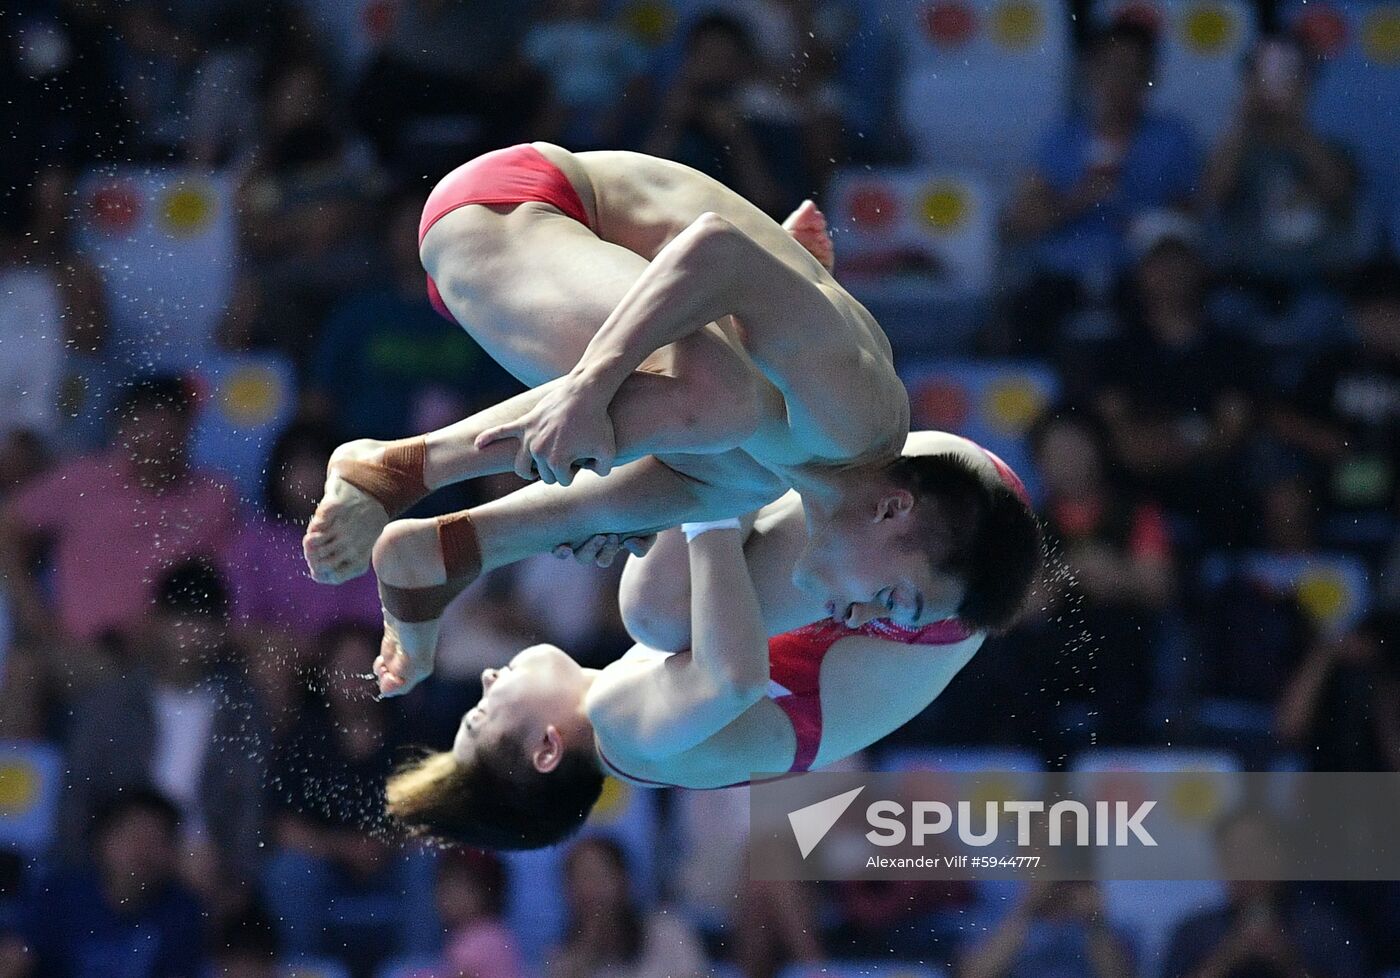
(19,786)
(1017,24)
(1195,798)
(945,206)
(249,396)
(1208,29)
(186,210)
(1380,36)
(1322,593)
(1013,404)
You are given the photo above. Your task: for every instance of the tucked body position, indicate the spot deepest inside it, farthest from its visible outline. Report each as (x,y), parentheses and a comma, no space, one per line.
(701,357)
(738,673)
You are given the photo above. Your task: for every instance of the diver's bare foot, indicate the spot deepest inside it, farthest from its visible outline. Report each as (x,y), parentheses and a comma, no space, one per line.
(408,554)
(405,655)
(807,225)
(348,520)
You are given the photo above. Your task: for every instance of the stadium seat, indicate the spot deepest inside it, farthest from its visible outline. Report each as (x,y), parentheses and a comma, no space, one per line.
(245,400)
(166,240)
(994,403)
(31,779)
(983,79)
(1202,44)
(862,969)
(1332,589)
(1358,85)
(313,968)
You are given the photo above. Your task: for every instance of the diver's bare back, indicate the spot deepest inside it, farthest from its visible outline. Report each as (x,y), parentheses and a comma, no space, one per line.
(641,203)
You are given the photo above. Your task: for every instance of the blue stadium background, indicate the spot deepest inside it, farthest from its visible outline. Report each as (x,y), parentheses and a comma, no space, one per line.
(1161,283)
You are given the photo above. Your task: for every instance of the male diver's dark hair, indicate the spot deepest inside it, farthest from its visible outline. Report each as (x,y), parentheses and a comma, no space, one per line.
(490,802)
(988,535)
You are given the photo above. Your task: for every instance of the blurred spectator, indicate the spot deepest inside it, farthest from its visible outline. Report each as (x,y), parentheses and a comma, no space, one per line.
(907,918)
(384,336)
(115,520)
(1055,929)
(1284,199)
(305,223)
(175,716)
(800,43)
(273,596)
(449,83)
(1264,929)
(245,947)
(595,70)
(122,912)
(334,884)
(471,888)
(607,934)
(22,457)
(1103,165)
(1169,388)
(1344,415)
(1246,639)
(1119,550)
(776,924)
(1341,706)
(15,959)
(705,119)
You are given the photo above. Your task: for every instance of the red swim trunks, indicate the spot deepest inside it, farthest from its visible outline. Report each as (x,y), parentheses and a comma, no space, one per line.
(513,175)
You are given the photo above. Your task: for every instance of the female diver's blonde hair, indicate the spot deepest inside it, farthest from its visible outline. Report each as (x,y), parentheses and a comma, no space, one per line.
(495,799)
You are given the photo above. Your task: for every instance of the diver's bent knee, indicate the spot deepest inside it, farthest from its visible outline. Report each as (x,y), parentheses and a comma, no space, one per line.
(659,621)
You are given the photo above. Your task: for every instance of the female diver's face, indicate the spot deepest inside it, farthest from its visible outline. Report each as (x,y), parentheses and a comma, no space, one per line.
(538,687)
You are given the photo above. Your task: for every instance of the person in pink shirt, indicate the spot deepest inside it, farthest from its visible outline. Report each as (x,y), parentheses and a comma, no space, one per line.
(114,520)
(471,887)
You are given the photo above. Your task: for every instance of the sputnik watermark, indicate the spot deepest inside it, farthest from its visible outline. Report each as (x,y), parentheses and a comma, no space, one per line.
(1107,823)
(1113,825)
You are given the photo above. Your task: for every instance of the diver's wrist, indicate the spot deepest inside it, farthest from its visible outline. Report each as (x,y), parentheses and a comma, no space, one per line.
(693,530)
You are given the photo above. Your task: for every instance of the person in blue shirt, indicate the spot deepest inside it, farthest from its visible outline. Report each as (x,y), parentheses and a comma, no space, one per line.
(1104,163)
(123,914)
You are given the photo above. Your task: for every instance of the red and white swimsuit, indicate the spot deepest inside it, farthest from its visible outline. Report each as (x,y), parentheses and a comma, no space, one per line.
(795,667)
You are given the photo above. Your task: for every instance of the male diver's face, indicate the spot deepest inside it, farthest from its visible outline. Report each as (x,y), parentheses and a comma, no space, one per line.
(869,560)
(539,686)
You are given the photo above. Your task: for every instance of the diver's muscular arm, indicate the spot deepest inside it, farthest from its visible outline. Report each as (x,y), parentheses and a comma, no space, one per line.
(793,330)
(675,704)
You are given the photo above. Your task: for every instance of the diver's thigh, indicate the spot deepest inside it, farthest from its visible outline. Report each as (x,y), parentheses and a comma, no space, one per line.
(529,284)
